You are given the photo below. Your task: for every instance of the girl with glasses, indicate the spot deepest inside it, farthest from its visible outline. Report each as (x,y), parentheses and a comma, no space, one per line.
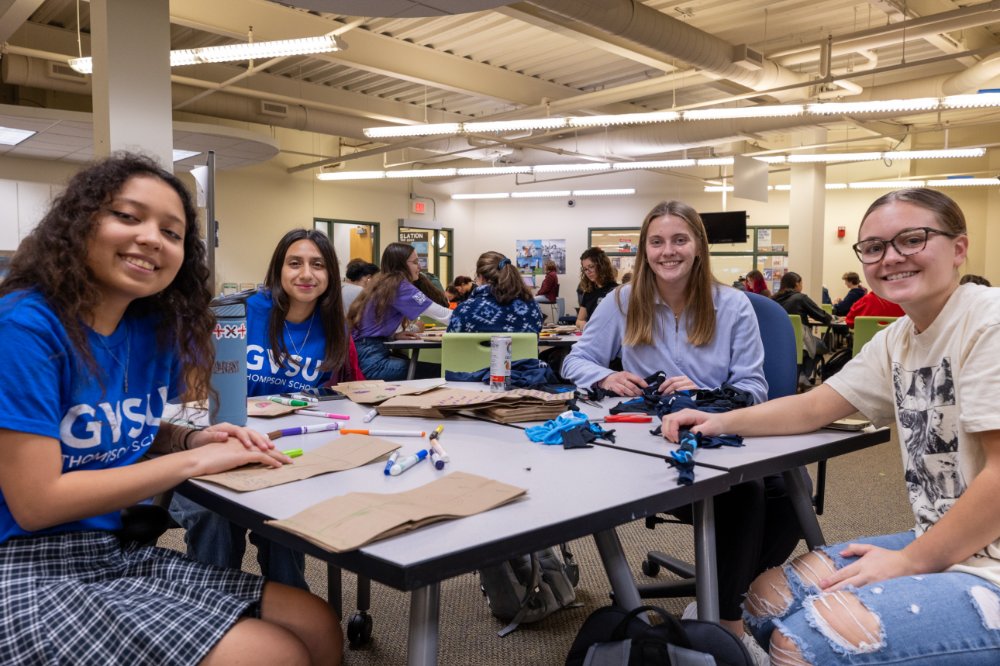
(597,279)
(931,594)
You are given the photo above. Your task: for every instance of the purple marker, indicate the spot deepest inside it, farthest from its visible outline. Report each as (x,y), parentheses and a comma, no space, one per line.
(303,430)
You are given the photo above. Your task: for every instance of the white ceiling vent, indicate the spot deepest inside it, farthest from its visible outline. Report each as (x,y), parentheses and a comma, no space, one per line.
(747,58)
(274,109)
(62,71)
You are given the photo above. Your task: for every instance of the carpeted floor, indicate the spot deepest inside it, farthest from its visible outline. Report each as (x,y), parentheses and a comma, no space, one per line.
(865,495)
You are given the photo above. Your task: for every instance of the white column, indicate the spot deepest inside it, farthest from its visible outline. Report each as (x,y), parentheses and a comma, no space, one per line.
(130,45)
(806,216)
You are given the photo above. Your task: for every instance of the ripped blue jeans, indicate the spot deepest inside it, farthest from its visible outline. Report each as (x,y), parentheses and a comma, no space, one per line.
(943,618)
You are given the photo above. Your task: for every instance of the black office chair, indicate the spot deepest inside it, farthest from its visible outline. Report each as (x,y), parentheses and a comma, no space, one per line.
(781,372)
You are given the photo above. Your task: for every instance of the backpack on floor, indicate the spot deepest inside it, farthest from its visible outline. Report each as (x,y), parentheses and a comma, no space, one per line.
(530,587)
(612,636)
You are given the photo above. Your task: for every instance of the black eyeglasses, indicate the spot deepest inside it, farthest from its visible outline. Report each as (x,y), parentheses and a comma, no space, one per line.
(906,242)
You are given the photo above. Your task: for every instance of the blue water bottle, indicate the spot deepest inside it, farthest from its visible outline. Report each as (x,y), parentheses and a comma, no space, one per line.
(229,372)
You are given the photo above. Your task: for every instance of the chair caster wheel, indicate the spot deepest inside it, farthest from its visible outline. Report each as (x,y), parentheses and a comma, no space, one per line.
(650,568)
(359,629)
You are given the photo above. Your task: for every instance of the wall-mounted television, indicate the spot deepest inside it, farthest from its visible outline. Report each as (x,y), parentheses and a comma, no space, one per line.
(728,227)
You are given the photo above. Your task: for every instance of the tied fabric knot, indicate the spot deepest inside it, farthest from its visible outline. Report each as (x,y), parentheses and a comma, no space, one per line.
(503,263)
(682,459)
(571,429)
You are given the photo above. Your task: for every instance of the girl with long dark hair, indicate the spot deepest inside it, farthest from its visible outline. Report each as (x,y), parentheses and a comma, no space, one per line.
(398,295)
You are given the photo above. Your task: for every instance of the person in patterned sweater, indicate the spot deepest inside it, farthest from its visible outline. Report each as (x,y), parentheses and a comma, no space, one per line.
(500,302)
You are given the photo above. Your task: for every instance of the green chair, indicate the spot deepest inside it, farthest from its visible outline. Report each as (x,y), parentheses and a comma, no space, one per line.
(865,329)
(799,345)
(827,308)
(468,352)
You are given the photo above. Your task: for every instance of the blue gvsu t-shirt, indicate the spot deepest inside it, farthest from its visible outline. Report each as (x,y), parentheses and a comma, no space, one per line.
(305,341)
(47,391)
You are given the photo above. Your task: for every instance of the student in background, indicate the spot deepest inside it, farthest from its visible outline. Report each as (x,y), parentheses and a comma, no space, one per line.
(116,265)
(795,302)
(597,279)
(974,279)
(463,285)
(296,338)
(755,283)
(854,291)
(675,317)
(399,294)
(549,291)
(500,302)
(927,595)
(872,305)
(357,273)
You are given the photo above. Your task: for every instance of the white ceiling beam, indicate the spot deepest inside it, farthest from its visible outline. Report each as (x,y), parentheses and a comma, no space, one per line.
(13,13)
(367,51)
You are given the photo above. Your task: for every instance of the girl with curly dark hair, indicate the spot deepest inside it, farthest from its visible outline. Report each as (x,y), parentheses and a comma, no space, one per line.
(396,296)
(116,265)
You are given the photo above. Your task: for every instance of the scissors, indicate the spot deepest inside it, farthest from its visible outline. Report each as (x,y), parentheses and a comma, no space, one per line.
(628,418)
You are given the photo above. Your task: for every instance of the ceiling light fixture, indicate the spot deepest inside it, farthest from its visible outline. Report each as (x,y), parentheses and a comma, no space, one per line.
(11,136)
(597,167)
(982,100)
(958,181)
(232,52)
(546,194)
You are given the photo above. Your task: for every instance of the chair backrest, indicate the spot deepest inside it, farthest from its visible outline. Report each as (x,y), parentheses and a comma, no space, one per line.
(827,308)
(780,345)
(467,352)
(796,321)
(865,329)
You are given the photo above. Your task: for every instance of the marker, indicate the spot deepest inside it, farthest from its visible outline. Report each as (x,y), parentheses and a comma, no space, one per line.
(325,415)
(303,430)
(385,433)
(437,448)
(290,402)
(299,396)
(292,453)
(436,459)
(391,461)
(407,462)
(370,415)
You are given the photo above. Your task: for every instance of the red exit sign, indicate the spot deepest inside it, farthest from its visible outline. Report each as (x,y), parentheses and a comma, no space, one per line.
(419,207)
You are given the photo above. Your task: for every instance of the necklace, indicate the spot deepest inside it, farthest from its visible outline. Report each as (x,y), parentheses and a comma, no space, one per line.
(291,341)
(128,353)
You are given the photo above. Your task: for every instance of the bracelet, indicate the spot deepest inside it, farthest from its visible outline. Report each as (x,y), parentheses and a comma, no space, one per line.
(187,436)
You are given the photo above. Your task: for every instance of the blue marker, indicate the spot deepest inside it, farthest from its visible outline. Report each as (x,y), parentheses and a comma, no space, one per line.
(436,459)
(408,462)
(391,461)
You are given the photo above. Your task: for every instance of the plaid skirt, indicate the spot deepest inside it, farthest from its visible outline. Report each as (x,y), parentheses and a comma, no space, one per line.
(81,598)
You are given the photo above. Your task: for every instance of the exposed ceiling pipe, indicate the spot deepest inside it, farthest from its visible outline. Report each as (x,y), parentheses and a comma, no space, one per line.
(888,35)
(651,28)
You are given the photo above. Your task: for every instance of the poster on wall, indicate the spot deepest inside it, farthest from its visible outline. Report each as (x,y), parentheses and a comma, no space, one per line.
(532,255)
(420,240)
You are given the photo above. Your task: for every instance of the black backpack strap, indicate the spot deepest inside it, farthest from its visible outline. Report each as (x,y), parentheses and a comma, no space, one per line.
(673,627)
(570,567)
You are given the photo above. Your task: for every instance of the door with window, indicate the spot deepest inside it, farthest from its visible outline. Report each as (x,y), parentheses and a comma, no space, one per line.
(434,250)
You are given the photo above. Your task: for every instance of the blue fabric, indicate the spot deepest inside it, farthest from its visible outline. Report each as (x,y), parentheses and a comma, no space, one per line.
(48,392)
(264,375)
(935,618)
(551,431)
(735,355)
(481,313)
(524,373)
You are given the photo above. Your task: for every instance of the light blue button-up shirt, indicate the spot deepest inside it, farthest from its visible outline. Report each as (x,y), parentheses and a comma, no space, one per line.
(735,355)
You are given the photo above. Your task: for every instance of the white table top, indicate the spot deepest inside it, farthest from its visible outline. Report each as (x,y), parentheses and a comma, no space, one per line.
(571,493)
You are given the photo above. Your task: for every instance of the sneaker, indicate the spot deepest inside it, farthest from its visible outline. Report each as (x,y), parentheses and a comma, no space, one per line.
(690,611)
(757,654)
